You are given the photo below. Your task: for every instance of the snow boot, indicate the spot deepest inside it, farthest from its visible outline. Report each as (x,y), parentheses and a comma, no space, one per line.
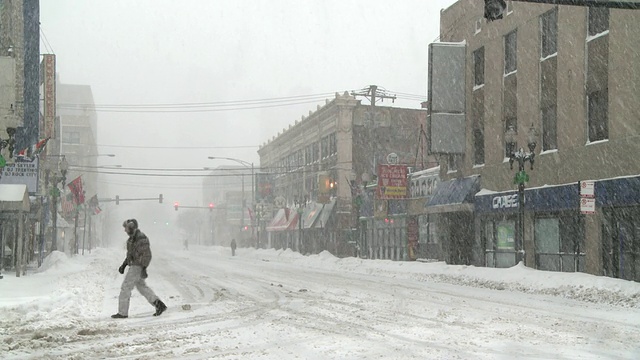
(118,316)
(160,307)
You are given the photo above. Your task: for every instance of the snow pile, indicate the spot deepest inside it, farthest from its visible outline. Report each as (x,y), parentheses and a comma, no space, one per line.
(578,286)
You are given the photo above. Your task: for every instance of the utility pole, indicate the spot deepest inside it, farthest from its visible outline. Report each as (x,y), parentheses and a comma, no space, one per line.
(372,93)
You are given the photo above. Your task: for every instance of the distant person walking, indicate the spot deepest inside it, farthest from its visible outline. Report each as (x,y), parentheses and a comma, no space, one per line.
(233,247)
(138,258)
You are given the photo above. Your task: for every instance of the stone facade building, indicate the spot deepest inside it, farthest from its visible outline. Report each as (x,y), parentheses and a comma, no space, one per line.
(566,78)
(326,158)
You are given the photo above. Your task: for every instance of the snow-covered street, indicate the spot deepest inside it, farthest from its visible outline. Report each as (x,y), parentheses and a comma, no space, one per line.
(267,304)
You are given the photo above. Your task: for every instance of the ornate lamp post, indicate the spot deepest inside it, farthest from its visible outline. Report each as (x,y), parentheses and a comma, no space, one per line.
(521,177)
(299,204)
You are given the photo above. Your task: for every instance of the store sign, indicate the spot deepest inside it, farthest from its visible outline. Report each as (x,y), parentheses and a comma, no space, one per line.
(588,205)
(505,201)
(392,182)
(21,173)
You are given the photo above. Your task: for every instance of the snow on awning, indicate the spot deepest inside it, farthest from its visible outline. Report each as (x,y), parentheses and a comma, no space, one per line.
(285,219)
(14,197)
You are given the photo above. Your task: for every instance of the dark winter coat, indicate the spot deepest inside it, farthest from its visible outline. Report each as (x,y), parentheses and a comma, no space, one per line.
(138,249)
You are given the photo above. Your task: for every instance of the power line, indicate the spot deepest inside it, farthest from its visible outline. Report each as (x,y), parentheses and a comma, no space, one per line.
(180,147)
(114,110)
(46,41)
(206,104)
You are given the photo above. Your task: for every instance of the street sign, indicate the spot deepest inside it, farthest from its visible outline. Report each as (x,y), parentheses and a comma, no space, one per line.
(588,205)
(587,189)
(392,159)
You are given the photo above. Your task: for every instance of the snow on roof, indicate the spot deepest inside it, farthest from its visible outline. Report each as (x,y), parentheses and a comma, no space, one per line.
(12,192)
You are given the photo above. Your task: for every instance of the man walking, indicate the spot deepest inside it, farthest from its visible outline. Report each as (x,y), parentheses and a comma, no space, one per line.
(138,258)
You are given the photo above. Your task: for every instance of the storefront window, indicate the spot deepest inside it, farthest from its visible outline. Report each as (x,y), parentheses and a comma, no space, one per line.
(500,243)
(547,243)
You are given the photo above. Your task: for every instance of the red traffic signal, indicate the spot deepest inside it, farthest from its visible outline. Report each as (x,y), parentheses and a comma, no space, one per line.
(175,205)
(211,206)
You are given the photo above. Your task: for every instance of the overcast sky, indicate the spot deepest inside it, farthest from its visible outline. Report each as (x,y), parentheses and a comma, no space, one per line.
(205,51)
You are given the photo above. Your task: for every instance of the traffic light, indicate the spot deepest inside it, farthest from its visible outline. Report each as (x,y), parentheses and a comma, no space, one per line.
(160,198)
(494,9)
(211,206)
(117,199)
(175,205)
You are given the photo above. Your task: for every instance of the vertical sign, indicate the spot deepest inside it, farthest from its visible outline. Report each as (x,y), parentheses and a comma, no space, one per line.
(587,197)
(49,85)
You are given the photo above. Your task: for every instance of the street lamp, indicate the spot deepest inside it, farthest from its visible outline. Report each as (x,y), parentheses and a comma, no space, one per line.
(521,178)
(247,165)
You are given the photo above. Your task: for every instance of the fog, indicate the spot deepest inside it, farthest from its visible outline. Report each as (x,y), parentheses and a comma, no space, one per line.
(172,53)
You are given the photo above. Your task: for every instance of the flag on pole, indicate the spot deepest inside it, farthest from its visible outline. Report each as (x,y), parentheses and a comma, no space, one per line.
(67,205)
(94,205)
(76,189)
(39,146)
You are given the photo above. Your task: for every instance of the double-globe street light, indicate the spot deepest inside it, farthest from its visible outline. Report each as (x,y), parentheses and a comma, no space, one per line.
(521,177)
(248,165)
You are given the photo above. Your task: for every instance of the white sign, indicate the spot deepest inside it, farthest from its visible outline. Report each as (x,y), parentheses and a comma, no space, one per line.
(587,189)
(588,205)
(505,201)
(392,159)
(22,173)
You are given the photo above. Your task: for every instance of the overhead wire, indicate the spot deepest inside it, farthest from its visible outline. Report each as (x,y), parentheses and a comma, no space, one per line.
(206,104)
(179,147)
(189,110)
(45,41)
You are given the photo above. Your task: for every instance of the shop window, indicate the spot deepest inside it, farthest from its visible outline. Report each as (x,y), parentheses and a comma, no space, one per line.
(547,244)
(500,243)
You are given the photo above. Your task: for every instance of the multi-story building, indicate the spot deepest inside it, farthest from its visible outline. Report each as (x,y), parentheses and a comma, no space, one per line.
(19,120)
(339,145)
(563,79)
(227,188)
(78,133)
(19,71)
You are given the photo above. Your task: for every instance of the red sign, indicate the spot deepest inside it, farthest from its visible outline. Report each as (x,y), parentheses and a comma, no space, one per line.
(392,182)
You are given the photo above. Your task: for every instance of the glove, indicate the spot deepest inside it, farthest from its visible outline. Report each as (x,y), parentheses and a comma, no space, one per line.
(122,267)
(144,273)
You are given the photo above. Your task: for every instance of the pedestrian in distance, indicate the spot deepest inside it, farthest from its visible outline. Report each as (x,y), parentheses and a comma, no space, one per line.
(233,247)
(138,258)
